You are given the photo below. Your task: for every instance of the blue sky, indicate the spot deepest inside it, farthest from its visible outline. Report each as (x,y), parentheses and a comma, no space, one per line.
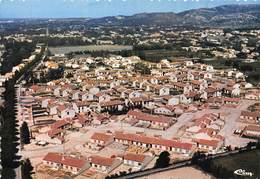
(101,8)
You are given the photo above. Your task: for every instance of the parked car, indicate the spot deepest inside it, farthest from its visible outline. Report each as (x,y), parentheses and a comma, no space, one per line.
(41,143)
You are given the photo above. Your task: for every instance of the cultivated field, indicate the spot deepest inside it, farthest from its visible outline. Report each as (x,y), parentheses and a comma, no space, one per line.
(68,49)
(249,161)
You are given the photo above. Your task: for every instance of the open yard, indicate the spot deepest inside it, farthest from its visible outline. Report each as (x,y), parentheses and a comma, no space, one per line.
(180,173)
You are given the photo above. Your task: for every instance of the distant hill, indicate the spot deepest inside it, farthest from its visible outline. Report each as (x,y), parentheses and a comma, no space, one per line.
(221,16)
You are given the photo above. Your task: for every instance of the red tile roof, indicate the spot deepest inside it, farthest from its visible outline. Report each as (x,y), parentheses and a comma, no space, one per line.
(35,88)
(211,90)
(134,157)
(101,137)
(213,143)
(196,82)
(61,107)
(73,162)
(153,140)
(112,103)
(54,132)
(83,103)
(149,117)
(82,119)
(236,100)
(53,157)
(250,114)
(140,99)
(101,117)
(208,131)
(59,124)
(64,160)
(103,161)
(252,128)
(192,94)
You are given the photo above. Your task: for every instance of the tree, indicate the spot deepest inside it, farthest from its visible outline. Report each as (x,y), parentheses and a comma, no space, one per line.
(25,133)
(250,145)
(8,132)
(246,67)
(163,160)
(26,168)
(197,157)
(8,173)
(229,148)
(142,68)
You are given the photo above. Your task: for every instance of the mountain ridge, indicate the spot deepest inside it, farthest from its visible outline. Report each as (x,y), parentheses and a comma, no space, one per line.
(221,16)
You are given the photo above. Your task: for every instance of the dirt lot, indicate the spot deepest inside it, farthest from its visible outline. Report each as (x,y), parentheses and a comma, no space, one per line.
(181,173)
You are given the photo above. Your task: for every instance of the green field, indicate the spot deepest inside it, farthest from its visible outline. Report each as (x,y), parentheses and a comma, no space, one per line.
(157,55)
(69,49)
(249,161)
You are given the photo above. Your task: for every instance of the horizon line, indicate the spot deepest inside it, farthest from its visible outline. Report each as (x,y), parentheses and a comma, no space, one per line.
(145,12)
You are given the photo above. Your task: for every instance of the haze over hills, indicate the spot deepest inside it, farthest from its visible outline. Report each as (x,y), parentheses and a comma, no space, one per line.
(221,16)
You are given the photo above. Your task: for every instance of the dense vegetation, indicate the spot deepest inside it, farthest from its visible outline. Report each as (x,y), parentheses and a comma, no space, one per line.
(163,160)
(142,68)
(15,53)
(9,132)
(51,74)
(9,142)
(65,41)
(252,70)
(25,133)
(224,167)
(26,169)
(154,52)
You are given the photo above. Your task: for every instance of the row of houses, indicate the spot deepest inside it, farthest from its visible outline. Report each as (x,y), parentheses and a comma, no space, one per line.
(210,145)
(205,132)
(154,121)
(95,162)
(143,141)
(250,117)
(251,131)
(57,130)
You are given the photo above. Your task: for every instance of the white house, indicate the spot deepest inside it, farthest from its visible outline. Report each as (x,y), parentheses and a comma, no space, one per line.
(136,161)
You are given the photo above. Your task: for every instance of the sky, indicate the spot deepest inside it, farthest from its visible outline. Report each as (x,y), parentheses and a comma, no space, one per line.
(101,8)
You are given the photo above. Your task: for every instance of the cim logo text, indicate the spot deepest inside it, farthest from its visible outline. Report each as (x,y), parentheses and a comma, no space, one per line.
(242,172)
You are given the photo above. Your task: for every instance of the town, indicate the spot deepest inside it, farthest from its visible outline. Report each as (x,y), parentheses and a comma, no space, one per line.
(106,101)
(115,118)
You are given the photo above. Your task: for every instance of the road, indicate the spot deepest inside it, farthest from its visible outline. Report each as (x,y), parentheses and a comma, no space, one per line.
(18,87)
(181,121)
(231,124)
(35,66)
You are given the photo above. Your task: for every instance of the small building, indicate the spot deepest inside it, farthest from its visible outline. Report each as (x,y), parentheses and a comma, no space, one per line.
(252,131)
(101,139)
(250,117)
(232,101)
(137,161)
(103,164)
(210,146)
(66,163)
(65,112)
